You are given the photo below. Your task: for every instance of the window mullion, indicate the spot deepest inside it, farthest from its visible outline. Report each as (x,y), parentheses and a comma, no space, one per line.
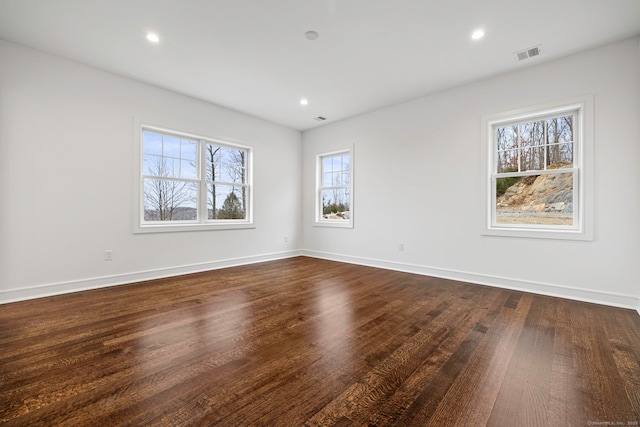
(519,148)
(202,190)
(545,139)
(335,187)
(170,178)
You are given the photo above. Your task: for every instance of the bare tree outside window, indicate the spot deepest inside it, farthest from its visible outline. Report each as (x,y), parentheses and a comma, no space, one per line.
(168,199)
(169,177)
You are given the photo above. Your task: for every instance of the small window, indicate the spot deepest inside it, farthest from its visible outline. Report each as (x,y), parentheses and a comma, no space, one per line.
(334,189)
(189,182)
(537,169)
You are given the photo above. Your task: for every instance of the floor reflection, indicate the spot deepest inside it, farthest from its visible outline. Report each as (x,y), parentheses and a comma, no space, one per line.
(334,325)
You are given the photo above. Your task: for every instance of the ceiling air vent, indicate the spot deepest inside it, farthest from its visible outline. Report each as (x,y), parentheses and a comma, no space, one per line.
(528,53)
(320,119)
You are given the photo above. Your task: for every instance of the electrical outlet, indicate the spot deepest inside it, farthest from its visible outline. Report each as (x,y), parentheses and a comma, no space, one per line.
(108,255)
(401,247)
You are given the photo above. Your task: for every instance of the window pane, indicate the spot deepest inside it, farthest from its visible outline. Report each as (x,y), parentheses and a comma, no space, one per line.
(161,166)
(560,129)
(169,200)
(189,149)
(531,134)
(346,162)
(560,155)
(345,178)
(170,146)
(507,161)
(335,204)
(225,164)
(327,179)
(507,138)
(188,169)
(226,201)
(335,179)
(169,156)
(227,156)
(234,166)
(532,159)
(345,175)
(151,143)
(239,167)
(327,164)
(149,164)
(336,170)
(536,199)
(212,159)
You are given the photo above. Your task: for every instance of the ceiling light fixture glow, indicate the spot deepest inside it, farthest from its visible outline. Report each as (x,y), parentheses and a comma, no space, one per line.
(311,35)
(153,37)
(304,101)
(477,34)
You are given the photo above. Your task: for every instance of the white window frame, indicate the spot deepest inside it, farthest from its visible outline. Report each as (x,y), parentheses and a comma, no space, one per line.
(583,158)
(319,220)
(202,222)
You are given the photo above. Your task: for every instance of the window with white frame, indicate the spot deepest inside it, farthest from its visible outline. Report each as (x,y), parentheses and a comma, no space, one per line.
(334,189)
(537,169)
(189,182)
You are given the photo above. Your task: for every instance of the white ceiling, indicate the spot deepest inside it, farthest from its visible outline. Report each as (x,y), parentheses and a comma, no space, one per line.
(252,56)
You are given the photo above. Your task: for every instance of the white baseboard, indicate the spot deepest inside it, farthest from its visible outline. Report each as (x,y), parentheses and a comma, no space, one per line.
(586,295)
(50,289)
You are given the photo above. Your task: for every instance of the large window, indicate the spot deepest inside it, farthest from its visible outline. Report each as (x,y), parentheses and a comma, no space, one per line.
(537,168)
(334,190)
(189,182)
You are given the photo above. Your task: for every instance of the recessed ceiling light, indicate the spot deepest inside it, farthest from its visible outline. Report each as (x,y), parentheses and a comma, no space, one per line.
(304,101)
(311,35)
(477,34)
(153,37)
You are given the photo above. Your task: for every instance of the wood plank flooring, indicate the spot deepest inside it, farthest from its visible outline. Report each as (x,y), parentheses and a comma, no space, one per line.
(309,342)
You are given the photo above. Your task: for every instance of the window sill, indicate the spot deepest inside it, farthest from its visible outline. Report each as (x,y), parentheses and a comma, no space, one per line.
(333,224)
(544,233)
(172,228)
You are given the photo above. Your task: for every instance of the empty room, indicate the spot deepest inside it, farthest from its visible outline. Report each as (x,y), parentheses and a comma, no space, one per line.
(319,213)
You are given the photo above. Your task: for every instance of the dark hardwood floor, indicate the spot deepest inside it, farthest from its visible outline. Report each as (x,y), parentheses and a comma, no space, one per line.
(310,342)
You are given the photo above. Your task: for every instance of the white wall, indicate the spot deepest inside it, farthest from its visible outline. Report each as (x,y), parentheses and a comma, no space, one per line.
(418,181)
(66,179)
(66,182)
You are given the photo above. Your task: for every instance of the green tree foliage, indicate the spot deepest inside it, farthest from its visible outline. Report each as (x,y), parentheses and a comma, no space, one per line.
(502,184)
(334,208)
(231,208)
